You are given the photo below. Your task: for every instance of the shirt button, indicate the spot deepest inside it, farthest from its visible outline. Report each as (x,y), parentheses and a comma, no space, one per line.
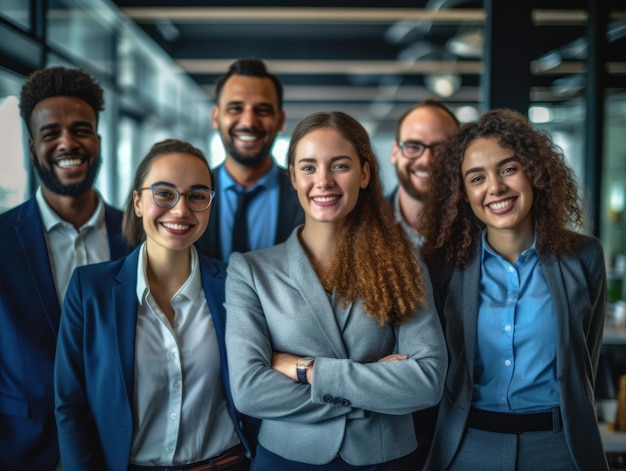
(176,385)
(173,354)
(510,269)
(170,448)
(173,416)
(507,328)
(507,362)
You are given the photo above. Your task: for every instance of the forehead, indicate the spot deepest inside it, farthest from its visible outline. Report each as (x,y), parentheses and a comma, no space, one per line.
(181,169)
(484,151)
(61,109)
(325,143)
(247,89)
(427,123)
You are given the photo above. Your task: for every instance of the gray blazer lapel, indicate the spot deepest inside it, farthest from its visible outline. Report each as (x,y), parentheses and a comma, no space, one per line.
(554,279)
(314,296)
(470,286)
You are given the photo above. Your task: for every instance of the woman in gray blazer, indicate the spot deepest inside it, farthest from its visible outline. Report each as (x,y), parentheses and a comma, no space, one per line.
(521,299)
(332,336)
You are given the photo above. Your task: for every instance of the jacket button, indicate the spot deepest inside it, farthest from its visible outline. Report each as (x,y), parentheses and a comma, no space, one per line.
(328,398)
(338,401)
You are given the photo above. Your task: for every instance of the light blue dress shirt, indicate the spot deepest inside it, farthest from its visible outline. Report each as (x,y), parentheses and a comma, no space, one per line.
(262,210)
(515,361)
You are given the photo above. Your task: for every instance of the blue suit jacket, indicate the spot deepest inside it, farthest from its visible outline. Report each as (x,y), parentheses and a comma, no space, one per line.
(29,320)
(577,284)
(290,215)
(95,361)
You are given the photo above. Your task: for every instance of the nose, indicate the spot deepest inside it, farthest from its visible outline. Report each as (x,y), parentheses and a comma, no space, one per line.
(181,207)
(323,178)
(247,117)
(496,185)
(67,141)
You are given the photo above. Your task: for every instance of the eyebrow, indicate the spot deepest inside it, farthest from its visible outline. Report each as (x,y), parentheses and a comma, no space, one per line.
(332,160)
(499,164)
(171,185)
(45,127)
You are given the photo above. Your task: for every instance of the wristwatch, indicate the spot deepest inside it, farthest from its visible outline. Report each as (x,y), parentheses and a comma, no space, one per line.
(301,366)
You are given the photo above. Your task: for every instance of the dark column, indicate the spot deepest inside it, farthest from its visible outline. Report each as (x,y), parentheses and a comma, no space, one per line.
(596,84)
(505,82)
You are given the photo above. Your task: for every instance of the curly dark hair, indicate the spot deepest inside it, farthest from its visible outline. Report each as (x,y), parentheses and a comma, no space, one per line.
(374,261)
(250,67)
(132,226)
(59,81)
(452,232)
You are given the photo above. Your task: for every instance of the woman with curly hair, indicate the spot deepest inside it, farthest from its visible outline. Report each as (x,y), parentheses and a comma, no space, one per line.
(332,336)
(521,298)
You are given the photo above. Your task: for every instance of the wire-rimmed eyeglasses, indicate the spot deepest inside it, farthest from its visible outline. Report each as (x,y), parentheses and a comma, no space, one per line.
(415,149)
(198,199)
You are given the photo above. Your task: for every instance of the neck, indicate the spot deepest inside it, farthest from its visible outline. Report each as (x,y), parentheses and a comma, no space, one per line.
(244,175)
(410,208)
(167,269)
(510,244)
(320,243)
(74,209)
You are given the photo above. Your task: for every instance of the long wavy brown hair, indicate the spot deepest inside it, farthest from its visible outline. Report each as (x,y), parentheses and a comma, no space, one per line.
(374,261)
(451,229)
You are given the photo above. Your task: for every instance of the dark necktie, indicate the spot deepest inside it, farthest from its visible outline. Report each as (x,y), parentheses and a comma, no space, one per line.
(240,223)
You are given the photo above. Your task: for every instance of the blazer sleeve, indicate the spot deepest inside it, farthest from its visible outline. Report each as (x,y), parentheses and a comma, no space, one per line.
(397,387)
(78,438)
(257,389)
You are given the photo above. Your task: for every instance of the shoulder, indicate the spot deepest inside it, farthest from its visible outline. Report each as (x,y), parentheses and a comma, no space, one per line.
(18,211)
(212,266)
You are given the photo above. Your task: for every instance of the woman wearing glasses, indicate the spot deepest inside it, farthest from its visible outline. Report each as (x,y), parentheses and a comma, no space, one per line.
(141,380)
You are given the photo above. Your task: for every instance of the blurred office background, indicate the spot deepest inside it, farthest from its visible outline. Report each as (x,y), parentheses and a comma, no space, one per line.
(563,62)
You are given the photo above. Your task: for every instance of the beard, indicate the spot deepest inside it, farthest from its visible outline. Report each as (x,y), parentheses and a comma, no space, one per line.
(52,182)
(405,182)
(253,160)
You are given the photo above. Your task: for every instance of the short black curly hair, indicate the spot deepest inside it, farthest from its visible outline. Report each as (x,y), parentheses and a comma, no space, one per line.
(59,81)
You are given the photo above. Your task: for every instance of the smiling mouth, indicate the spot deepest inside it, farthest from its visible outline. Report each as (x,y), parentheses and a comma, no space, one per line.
(247,137)
(325,199)
(69,162)
(501,204)
(420,174)
(176,227)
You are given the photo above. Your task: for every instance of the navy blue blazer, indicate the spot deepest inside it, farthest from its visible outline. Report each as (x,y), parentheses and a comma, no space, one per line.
(290,215)
(95,361)
(29,321)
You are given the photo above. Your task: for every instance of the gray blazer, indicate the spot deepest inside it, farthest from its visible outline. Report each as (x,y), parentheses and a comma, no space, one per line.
(357,408)
(578,287)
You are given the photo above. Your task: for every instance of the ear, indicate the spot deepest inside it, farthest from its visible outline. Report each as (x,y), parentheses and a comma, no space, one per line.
(31,148)
(292,175)
(282,119)
(137,204)
(395,151)
(365,175)
(214,115)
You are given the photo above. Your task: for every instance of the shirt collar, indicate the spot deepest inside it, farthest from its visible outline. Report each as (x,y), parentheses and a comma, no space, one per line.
(269,180)
(51,219)
(190,289)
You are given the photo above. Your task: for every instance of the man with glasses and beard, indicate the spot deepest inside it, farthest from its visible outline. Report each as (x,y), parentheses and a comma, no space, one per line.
(64,225)
(256,205)
(418,132)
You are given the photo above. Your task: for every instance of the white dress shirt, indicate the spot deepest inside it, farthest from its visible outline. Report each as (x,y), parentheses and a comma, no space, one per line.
(180,411)
(69,248)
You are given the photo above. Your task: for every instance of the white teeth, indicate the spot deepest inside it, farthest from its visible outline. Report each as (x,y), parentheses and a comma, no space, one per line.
(247,138)
(420,174)
(176,227)
(68,163)
(501,204)
(325,199)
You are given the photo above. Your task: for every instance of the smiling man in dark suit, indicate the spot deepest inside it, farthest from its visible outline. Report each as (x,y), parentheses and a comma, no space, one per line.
(255,206)
(65,224)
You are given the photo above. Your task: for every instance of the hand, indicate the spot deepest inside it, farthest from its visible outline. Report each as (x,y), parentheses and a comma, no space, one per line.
(394,357)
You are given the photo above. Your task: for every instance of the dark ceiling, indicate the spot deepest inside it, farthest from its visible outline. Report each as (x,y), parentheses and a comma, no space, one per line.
(373,59)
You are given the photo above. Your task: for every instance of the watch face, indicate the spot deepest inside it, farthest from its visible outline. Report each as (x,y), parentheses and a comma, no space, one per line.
(302,362)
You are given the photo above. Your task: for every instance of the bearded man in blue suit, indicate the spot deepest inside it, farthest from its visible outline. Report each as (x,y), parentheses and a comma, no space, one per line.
(64,225)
